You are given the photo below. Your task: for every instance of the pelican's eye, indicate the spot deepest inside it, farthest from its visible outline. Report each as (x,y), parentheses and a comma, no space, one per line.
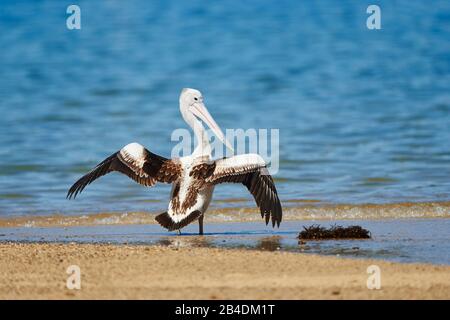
(196,99)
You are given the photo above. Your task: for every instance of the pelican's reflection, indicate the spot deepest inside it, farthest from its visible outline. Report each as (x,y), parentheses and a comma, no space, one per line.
(271,243)
(185,242)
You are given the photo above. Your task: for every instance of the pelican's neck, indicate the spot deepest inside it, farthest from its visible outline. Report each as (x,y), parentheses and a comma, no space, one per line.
(203,147)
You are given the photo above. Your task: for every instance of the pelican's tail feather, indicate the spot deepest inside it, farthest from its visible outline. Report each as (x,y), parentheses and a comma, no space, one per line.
(166,221)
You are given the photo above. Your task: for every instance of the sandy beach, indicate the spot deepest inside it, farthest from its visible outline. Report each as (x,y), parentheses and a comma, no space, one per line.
(38,271)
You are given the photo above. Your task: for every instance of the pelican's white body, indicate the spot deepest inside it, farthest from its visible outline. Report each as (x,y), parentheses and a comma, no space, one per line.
(203,197)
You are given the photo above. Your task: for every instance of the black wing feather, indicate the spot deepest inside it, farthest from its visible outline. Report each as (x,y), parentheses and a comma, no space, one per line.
(112,163)
(261,186)
(146,169)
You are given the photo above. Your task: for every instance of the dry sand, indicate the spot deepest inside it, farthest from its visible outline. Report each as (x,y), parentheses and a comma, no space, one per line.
(38,271)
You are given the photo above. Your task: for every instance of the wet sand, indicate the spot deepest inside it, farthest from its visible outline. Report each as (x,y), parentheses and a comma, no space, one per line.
(399,240)
(38,271)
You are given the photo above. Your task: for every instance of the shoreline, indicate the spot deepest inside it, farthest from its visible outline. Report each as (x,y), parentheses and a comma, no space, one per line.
(38,271)
(396,240)
(318,211)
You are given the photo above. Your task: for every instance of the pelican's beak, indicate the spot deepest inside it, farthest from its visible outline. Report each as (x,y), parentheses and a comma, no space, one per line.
(200,111)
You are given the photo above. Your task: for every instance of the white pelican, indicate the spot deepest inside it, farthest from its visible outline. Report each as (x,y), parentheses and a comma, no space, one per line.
(192,177)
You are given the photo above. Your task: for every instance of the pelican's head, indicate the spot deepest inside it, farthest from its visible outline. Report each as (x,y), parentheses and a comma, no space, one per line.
(192,106)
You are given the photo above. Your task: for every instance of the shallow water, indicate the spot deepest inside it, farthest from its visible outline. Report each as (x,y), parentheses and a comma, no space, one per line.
(411,240)
(240,214)
(363,115)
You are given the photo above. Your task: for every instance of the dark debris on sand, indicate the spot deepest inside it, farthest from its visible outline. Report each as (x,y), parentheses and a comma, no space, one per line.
(316,232)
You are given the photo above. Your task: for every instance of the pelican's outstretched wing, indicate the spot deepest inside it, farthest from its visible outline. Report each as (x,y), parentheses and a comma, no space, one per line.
(136,162)
(250,170)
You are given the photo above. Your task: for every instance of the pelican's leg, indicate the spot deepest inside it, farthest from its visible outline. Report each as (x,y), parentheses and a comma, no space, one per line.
(200,225)
(178,232)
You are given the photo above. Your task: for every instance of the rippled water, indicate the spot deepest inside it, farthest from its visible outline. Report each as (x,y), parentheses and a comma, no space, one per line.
(364,116)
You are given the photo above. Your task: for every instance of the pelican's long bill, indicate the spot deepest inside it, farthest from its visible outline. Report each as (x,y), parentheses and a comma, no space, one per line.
(200,111)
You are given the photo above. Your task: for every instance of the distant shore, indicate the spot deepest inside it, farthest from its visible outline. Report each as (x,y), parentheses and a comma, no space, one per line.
(38,271)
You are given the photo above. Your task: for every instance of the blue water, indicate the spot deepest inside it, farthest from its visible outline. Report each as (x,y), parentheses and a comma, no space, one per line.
(364,115)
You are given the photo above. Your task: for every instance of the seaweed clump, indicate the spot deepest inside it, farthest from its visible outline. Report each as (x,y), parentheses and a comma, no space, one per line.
(316,232)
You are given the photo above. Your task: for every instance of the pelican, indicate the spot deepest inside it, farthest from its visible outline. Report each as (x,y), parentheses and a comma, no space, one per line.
(193,177)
